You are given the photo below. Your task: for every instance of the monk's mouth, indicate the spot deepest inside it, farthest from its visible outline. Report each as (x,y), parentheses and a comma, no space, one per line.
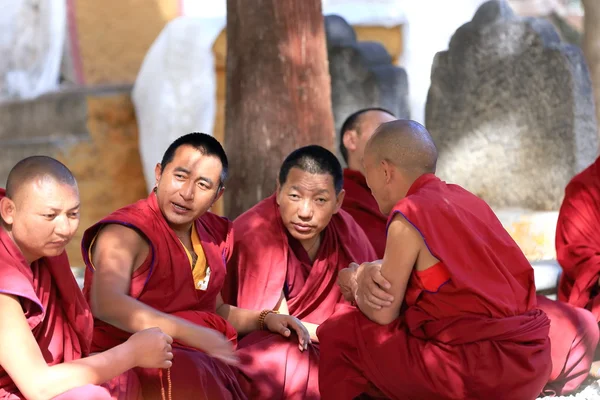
(302,228)
(180,208)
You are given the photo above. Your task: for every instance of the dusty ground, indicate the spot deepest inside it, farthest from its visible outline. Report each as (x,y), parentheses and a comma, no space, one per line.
(590,390)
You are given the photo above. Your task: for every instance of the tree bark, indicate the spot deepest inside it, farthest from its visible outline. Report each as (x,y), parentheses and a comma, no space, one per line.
(591,46)
(278,92)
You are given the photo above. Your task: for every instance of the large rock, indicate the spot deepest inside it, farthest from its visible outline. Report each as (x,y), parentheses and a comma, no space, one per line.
(511,110)
(32,34)
(362,74)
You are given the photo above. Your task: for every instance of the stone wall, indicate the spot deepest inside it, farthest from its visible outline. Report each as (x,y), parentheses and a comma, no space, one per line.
(93,132)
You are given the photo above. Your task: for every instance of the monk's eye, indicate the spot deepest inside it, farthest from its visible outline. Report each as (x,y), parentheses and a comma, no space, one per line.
(294,196)
(49,216)
(179,176)
(321,200)
(74,214)
(203,185)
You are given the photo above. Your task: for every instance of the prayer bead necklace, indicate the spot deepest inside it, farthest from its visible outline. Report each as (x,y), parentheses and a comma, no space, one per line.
(169,386)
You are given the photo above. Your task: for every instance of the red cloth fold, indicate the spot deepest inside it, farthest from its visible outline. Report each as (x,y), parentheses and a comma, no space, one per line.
(165,282)
(578,241)
(361,205)
(266,261)
(57,313)
(480,335)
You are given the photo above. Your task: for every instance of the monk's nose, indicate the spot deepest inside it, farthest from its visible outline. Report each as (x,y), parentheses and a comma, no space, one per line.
(305,210)
(187,192)
(62,226)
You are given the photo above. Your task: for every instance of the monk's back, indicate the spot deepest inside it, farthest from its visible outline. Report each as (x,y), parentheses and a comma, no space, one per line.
(482,270)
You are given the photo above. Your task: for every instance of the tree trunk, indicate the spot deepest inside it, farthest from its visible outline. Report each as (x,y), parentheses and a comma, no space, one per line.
(591,46)
(278,92)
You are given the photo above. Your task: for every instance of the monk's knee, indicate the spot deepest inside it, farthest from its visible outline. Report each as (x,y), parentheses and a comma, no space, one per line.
(588,328)
(88,392)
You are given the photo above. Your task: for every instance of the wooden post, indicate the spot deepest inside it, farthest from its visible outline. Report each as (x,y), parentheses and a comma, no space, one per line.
(278,92)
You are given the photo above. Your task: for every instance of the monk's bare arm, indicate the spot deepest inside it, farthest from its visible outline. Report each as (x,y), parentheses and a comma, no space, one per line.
(401,251)
(117,252)
(244,321)
(282,308)
(22,359)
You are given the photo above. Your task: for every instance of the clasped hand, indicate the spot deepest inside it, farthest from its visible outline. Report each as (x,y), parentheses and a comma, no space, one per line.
(364,284)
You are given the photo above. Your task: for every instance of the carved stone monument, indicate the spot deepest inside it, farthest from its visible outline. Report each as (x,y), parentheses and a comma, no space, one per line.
(510,108)
(362,74)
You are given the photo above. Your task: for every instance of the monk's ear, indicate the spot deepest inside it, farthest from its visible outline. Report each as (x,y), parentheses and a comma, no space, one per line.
(219,194)
(350,139)
(157,172)
(339,200)
(387,170)
(7,210)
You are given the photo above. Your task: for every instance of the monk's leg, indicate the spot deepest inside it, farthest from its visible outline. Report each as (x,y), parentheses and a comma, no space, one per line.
(573,338)
(88,392)
(125,386)
(339,374)
(194,375)
(272,367)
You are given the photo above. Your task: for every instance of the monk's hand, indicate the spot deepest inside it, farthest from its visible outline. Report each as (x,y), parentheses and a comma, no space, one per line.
(152,348)
(216,345)
(285,324)
(346,280)
(372,286)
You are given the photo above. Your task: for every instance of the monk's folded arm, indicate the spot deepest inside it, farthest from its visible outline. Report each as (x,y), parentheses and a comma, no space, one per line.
(117,252)
(401,251)
(244,321)
(22,359)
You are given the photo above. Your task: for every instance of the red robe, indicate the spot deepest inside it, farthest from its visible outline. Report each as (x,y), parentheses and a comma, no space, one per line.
(165,283)
(58,316)
(266,261)
(578,241)
(360,203)
(469,328)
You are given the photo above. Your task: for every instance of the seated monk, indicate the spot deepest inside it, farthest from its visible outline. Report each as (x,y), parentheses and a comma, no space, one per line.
(45,323)
(463,321)
(287,252)
(358,201)
(161,262)
(578,244)
(573,331)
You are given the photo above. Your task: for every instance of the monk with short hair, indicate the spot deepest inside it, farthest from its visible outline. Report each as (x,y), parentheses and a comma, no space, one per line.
(287,253)
(573,331)
(161,262)
(45,322)
(463,322)
(358,201)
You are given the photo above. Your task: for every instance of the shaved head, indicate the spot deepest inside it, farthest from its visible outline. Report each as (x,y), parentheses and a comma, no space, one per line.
(405,144)
(37,168)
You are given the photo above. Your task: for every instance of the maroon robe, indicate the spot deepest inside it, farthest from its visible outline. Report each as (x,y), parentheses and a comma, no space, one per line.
(578,241)
(266,261)
(469,326)
(165,282)
(360,203)
(59,318)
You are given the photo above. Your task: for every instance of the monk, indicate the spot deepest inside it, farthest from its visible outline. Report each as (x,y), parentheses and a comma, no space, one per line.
(287,252)
(573,331)
(45,323)
(161,262)
(358,202)
(463,322)
(578,244)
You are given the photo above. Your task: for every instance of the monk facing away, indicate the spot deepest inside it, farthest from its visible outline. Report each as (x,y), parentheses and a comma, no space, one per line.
(287,253)
(161,262)
(578,244)
(463,322)
(45,323)
(358,202)
(573,331)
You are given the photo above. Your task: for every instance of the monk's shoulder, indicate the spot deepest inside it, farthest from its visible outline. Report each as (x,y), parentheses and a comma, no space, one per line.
(221,228)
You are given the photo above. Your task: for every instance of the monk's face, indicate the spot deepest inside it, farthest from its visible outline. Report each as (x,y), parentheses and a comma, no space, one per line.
(188,186)
(378,176)
(357,140)
(307,202)
(42,217)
